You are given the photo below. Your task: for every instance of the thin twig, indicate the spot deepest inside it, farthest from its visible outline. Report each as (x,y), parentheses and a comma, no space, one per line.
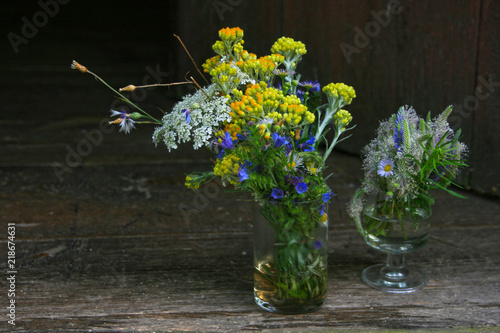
(199,87)
(192,60)
(132,87)
(83,69)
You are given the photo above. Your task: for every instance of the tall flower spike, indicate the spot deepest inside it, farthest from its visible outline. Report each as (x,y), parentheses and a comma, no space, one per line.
(406,136)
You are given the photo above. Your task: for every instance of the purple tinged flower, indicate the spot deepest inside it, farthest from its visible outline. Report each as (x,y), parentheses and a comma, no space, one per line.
(322,209)
(277,193)
(300,94)
(312,86)
(301,187)
(398,130)
(385,168)
(188,116)
(295,180)
(126,123)
(318,244)
(279,140)
(227,142)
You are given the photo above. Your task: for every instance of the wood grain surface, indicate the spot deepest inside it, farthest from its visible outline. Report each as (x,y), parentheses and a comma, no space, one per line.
(108,238)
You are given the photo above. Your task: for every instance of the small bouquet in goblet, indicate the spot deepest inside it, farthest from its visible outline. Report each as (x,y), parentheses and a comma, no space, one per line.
(409,157)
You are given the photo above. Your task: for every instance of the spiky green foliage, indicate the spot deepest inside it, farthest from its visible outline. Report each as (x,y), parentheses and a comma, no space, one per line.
(427,155)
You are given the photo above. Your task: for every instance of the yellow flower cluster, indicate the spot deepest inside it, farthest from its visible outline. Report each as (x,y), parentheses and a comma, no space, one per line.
(249,107)
(342,118)
(244,56)
(210,63)
(294,113)
(260,101)
(288,47)
(219,47)
(231,34)
(232,129)
(276,58)
(338,90)
(222,72)
(192,182)
(228,168)
(258,69)
(231,43)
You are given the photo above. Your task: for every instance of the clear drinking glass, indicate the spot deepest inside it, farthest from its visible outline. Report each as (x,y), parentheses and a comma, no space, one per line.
(290,257)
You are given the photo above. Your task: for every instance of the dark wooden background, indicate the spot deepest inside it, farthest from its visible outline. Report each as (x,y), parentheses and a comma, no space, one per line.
(101,242)
(428,54)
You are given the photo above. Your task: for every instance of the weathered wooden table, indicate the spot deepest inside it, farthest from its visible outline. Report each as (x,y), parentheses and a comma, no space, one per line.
(107,238)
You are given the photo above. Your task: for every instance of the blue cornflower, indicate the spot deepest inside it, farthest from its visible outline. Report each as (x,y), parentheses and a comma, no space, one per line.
(277,193)
(227,142)
(318,244)
(221,153)
(188,116)
(243,174)
(279,140)
(301,187)
(126,123)
(385,168)
(308,145)
(327,196)
(300,94)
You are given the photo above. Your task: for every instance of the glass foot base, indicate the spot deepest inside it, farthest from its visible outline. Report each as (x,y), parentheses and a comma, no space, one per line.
(406,280)
(290,308)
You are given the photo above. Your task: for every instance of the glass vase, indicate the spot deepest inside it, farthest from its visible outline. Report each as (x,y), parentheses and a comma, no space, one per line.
(290,256)
(395,229)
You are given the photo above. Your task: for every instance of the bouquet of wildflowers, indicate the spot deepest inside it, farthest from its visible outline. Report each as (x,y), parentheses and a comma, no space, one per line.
(265,128)
(409,157)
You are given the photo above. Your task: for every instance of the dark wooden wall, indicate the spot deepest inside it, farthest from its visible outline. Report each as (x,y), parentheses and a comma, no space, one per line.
(428,54)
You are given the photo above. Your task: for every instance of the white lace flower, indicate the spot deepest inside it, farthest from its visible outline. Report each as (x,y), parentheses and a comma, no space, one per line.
(196,118)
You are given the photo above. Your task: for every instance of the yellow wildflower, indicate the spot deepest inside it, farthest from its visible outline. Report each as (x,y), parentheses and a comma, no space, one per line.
(337,91)
(288,47)
(192,183)
(231,34)
(342,118)
(228,168)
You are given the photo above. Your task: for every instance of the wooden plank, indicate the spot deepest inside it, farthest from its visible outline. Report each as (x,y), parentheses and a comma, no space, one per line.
(93,264)
(405,60)
(482,105)
(200,283)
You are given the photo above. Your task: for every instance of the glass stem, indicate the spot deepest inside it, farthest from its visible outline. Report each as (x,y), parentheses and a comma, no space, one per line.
(395,267)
